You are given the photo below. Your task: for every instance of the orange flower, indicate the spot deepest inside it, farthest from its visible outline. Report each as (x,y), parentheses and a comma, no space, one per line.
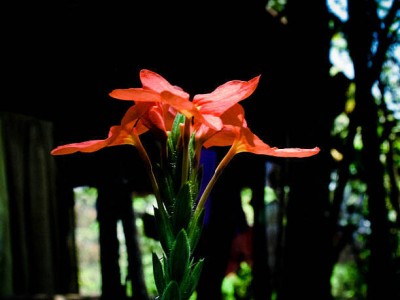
(205,108)
(157,89)
(218,117)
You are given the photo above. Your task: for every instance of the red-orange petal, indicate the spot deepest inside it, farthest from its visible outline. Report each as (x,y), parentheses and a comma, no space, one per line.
(153,81)
(87,146)
(136,94)
(250,142)
(225,96)
(118,135)
(293,152)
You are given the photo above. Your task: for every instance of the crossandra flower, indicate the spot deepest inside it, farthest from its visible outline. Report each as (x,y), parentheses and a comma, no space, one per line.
(205,108)
(218,119)
(183,126)
(157,89)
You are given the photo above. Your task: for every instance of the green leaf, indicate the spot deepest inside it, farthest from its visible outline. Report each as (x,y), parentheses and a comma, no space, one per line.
(195,178)
(182,209)
(174,162)
(195,229)
(194,162)
(164,229)
(189,283)
(166,269)
(176,130)
(180,257)
(166,186)
(158,274)
(171,292)
(174,151)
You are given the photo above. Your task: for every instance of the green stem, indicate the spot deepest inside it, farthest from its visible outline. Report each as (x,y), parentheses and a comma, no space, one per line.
(185,149)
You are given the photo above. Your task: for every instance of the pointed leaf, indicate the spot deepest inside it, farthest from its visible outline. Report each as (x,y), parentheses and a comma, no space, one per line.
(171,292)
(166,268)
(166,186)
(182,209)
(176,130)
(179,257)
(158,274)
(189,283)
(195,229)
(164,229)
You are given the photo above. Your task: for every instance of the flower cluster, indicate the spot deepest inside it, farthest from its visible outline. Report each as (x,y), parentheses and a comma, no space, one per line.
(182,127)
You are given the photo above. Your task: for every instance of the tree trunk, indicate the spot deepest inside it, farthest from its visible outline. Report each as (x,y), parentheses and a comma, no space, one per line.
(363,24)
(308,244)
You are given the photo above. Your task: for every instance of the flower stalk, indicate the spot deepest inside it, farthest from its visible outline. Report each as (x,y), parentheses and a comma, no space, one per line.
(184,127)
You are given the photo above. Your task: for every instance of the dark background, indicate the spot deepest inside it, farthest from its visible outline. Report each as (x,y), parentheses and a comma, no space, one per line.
(60,60)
